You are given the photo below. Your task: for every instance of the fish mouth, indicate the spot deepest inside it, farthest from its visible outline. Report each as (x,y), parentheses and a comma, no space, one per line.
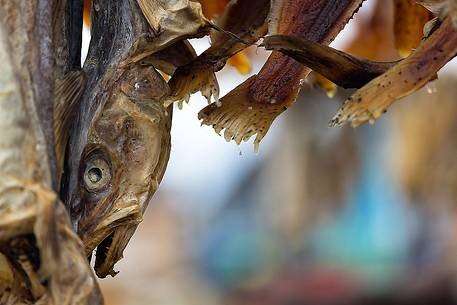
(109,237)
(111,249)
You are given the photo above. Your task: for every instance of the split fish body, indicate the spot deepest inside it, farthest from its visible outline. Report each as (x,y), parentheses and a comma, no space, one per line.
(40,257)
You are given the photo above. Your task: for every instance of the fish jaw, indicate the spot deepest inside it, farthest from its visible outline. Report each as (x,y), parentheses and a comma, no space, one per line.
(110,236)
(93,236)
(111,249)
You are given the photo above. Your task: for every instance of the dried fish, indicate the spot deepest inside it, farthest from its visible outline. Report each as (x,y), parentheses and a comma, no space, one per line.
(370,41)
(122,164)
(119,108)
(120,146)
(251,107)
(41,258)
(411,74)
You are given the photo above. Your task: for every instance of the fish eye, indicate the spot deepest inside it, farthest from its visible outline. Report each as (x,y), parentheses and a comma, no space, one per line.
(97,175)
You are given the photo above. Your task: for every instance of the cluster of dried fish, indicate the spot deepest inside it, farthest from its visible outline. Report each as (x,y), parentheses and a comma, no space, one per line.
(382,83)
(298,32)
(251,107)
(83,149)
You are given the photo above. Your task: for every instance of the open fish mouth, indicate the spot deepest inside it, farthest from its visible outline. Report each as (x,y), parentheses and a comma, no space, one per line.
(110,237)
(111,249)
(102,253)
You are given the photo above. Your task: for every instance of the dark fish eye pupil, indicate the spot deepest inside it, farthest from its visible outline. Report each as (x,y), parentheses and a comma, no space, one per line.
(94,174)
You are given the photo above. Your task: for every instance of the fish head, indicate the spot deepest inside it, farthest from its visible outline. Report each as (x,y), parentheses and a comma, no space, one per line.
(122,164)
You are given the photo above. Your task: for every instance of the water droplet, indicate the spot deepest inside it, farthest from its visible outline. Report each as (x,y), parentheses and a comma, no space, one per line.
(431,88)
(256,147)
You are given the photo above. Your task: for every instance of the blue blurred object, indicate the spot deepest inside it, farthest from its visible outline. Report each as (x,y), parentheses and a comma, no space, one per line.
(238,252)
(372,236)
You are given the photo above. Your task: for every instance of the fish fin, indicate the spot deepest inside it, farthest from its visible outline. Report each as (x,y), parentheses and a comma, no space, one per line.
(239,117)
(169,22)
(188,80)
(251,108)
(68,92)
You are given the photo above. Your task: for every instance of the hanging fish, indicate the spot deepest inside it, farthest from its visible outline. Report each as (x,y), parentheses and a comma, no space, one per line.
(251,107)
(41,259)
(404,78)
(120,145)
(122,164)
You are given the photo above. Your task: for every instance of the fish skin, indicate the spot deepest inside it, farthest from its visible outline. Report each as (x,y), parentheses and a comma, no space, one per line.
(317,21)
(67,36)
(169,59)
(169,22)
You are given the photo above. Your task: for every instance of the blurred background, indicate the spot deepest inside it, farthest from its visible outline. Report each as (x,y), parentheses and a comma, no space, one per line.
(320,215)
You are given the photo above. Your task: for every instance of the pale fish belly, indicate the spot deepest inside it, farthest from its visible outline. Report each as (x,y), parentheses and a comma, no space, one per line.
(17,150)
(16,138)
